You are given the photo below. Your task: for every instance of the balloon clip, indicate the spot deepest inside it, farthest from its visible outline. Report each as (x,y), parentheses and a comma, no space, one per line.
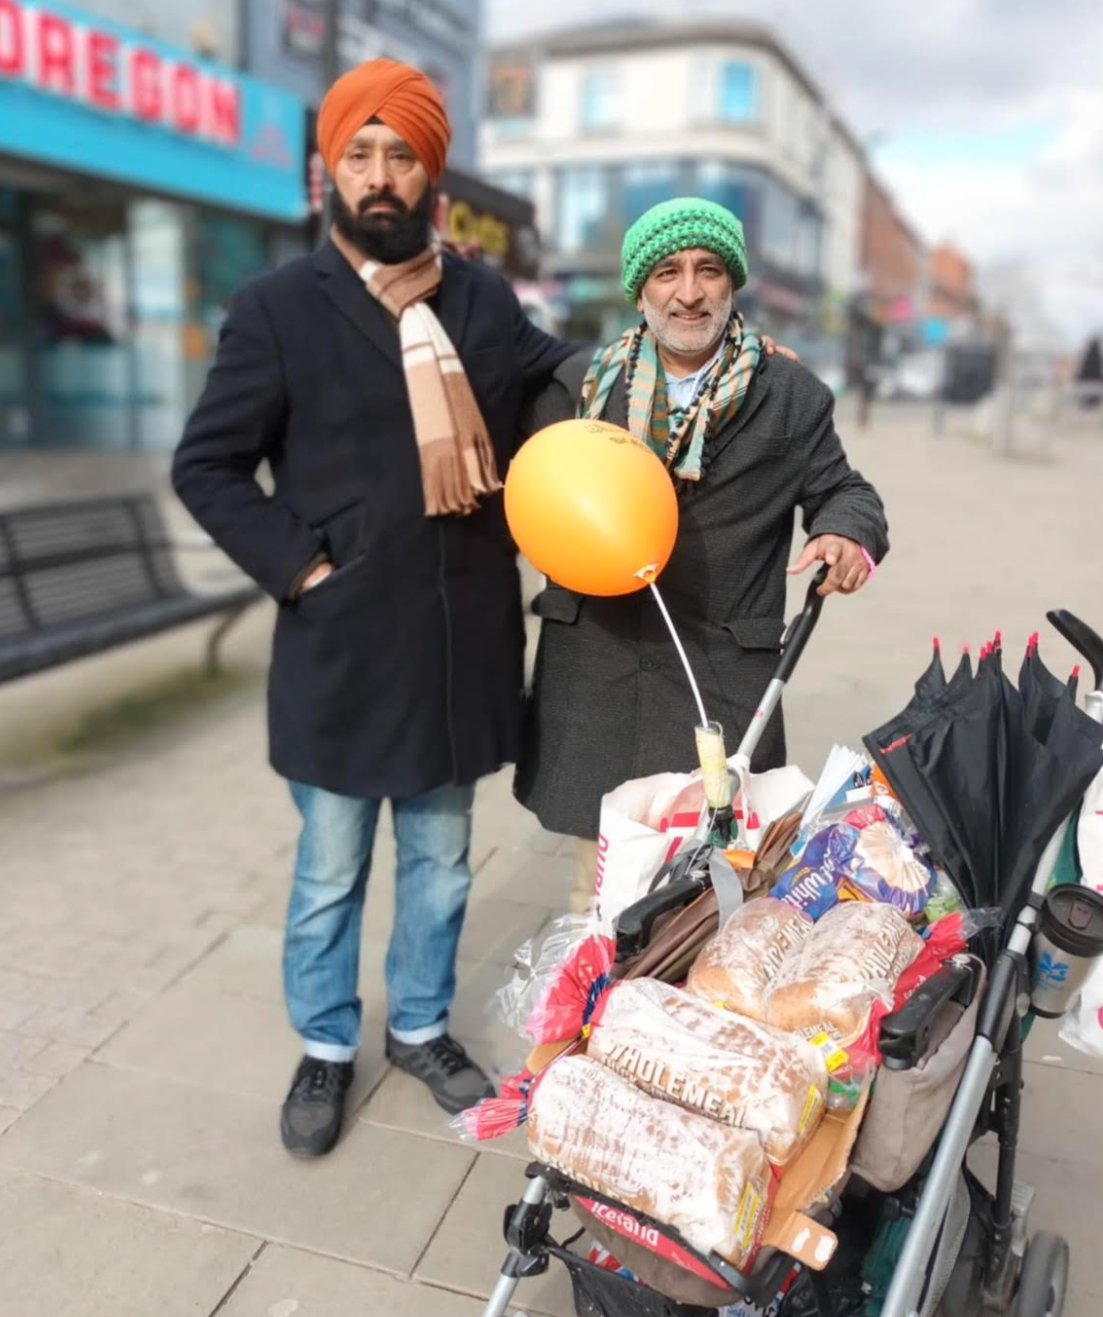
(648,573)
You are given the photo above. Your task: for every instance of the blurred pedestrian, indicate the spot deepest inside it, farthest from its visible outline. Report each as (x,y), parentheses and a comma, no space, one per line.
(749,438)
(383,383)
(1089,375)
(862,378)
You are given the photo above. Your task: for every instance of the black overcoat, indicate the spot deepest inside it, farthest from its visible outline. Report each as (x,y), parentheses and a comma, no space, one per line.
(610,700)
(404,670)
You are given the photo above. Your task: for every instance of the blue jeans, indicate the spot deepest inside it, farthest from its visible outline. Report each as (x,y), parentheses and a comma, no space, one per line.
(321,957)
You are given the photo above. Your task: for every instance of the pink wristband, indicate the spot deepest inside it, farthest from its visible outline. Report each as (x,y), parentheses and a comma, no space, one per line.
(869,562)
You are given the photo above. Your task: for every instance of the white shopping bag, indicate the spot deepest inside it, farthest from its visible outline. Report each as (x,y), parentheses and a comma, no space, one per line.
(1089,836)
(1082,1027)
(645,821)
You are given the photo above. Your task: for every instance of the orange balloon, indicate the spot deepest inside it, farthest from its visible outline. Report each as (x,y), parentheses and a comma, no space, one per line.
(592,507)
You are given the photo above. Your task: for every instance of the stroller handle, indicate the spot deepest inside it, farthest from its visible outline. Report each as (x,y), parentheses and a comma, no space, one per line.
(801,628)
(1082,638)
(797,635)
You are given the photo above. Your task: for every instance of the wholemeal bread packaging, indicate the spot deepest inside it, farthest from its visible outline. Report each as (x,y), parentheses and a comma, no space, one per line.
(734,1071)
(706,1180)
(852,957)
(737,967)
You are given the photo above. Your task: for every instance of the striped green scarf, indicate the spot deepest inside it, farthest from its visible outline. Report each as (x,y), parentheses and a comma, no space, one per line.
(679,441)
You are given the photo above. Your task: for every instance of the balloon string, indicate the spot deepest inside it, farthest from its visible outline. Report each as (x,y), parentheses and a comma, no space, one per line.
(650,578)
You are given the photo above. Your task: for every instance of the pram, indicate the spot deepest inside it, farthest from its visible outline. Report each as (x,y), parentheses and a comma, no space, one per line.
(945,1244)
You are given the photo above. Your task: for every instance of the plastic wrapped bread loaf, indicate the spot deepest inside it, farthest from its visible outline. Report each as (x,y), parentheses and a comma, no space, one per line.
(735,1071)
(737,967)
(707,1181)
(853,955)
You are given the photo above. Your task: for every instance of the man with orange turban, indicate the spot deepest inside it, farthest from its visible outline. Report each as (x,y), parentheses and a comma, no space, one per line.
(383,382)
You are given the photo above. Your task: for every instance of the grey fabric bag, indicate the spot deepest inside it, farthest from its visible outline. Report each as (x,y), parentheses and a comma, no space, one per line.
(908,1107)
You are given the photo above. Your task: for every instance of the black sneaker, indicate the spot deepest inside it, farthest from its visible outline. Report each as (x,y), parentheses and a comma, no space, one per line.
(454,1080)
(311,1118)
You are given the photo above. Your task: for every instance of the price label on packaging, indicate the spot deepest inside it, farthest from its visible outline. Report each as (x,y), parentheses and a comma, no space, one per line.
(834,1056)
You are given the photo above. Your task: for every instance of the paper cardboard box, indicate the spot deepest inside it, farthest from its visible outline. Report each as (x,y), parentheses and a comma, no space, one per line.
(819,1167)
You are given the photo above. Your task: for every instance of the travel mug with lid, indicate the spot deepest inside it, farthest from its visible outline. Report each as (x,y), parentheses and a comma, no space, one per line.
(1066,943)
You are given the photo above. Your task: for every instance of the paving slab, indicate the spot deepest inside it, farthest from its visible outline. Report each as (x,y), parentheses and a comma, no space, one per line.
(247,964)
(1046,1047)
(521,874)
(403,1103)
(230,1043)
(1061,1116)
(1067,1203)
(68,1252)
(468,1250)
(495,929)
(286,1282)
(376,1199)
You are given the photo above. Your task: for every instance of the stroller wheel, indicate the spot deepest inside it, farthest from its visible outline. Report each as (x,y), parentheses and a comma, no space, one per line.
(1044,1277)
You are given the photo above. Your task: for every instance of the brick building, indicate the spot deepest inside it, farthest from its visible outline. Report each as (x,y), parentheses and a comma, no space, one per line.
(892,258)
(950,293)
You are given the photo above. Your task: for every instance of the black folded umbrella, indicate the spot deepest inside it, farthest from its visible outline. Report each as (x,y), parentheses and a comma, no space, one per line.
(989,772)
(933,681)
(966,746)
(888,747)
(1042,693)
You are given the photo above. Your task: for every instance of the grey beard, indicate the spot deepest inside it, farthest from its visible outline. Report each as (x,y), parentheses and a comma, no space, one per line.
(657,324)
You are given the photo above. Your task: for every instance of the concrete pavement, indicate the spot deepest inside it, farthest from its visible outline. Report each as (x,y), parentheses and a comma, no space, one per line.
(143,1045)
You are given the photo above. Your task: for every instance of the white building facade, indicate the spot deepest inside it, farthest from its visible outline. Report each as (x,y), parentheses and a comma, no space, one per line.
(598,125)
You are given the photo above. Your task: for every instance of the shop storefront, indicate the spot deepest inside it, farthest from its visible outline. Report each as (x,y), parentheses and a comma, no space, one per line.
(138,188)
(490,224)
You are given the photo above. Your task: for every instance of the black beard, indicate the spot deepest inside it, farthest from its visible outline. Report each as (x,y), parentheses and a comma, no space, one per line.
(389,239)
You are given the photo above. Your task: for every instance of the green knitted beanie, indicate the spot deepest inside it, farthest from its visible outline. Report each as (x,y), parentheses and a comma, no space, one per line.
(671,227)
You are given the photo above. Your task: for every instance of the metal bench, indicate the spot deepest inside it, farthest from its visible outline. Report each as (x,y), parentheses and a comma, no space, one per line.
(78,578)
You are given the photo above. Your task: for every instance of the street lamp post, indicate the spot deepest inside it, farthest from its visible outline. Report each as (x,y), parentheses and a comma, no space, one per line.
(330,71)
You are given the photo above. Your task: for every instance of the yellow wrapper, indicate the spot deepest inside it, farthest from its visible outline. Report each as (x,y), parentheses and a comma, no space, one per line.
(714,765)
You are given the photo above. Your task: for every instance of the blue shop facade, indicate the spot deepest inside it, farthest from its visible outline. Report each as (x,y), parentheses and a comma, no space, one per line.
(139,187)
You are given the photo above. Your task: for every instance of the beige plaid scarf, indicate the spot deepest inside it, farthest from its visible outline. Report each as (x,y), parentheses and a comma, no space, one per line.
(457,459)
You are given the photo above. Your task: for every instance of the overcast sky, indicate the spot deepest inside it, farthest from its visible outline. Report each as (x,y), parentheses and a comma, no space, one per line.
(985,117)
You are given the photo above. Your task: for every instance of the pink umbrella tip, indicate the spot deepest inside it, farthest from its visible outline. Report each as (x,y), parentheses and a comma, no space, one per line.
(937,645)
(1075,672)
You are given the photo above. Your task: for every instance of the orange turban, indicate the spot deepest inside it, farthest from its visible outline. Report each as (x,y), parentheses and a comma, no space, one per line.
(401,97)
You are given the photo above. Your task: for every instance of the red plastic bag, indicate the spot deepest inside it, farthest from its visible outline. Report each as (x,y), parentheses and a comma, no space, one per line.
(558,980)
(496,1116)
(567,1006)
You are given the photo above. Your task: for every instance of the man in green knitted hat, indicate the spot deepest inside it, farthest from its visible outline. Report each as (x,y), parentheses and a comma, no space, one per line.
(749,439)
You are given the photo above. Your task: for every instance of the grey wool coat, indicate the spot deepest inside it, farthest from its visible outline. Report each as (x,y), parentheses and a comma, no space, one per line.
(610,700)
